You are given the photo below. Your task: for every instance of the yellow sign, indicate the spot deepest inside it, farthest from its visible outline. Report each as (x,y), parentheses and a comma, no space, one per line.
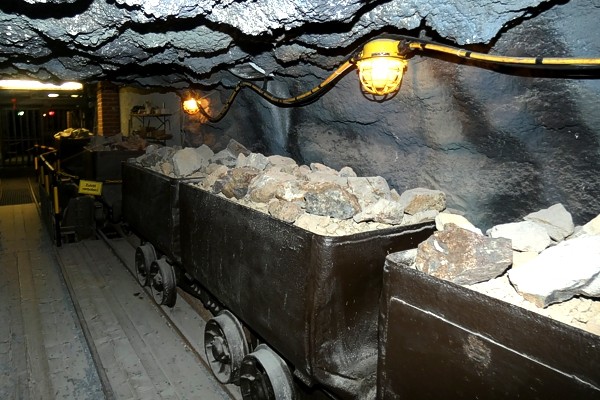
(90,187)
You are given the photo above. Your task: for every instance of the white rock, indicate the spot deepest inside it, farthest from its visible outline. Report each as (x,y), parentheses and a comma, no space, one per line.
(444,218)
(568,269)
(556,220)
(205,152)
(592,227)
(525,235)
(522,257)
(188,160)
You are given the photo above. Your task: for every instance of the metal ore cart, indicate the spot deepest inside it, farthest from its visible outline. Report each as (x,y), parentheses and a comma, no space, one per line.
(151,210)
(312,300)
(439,340)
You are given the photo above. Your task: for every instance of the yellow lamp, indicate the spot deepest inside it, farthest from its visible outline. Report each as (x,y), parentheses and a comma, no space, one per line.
(381,66)
(190,106)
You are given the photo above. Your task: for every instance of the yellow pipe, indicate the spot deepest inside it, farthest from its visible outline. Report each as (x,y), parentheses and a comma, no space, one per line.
(56,206)
(47,184)
(35,163)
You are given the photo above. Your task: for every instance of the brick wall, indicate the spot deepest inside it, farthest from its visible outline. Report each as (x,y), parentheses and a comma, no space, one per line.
(109,119)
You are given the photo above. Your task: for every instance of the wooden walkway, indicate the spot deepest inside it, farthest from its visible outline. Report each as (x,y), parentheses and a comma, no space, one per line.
(76,325)
(43,352)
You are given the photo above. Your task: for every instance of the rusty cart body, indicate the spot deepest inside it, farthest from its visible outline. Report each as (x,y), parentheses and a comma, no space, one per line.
(441,340)
(313,299)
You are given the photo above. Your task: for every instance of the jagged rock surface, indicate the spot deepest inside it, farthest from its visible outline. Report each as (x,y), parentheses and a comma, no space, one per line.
(173,41)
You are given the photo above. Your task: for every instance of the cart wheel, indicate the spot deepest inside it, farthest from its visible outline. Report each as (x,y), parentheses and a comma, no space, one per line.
(162,283)
(144,257)
(265,376)
(226,346)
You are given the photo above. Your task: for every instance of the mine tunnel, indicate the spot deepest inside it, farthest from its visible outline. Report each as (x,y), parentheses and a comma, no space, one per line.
(291,199)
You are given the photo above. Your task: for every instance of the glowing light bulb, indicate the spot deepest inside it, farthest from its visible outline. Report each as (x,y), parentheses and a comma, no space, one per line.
(381,67)
(190,106)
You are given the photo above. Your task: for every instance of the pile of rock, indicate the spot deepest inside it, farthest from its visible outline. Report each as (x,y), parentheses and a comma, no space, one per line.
(538,263)
(316,197)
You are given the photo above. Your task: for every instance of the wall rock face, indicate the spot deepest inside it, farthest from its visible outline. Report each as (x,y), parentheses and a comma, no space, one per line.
(499,144)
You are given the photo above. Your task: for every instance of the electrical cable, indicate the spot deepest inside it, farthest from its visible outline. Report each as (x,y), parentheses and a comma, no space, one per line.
(302,99)
(497,59)
(405,45)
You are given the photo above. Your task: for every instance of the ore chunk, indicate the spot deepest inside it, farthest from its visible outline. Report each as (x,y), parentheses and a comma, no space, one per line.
(329,199)
(463,257)
(420,199)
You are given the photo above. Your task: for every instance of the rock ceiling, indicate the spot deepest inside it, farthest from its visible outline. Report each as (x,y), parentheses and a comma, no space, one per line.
(175,43)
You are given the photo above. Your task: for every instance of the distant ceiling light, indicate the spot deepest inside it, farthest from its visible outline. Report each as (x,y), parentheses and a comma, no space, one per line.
(381,67)
(190,106)
(21,113)
(52,94)
(36,85)
(74,95)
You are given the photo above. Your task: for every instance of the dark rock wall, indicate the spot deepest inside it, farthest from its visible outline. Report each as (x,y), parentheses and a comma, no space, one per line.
(500,144)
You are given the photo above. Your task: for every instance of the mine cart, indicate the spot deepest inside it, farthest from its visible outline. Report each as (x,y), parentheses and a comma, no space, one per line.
(311,300)
(105,166)
(151,210)
(439,340)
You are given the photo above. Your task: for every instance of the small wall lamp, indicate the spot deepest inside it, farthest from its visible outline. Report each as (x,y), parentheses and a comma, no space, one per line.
(381,64)
(191,106)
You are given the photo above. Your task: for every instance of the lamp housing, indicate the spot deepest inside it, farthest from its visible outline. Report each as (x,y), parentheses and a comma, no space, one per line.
(381,67)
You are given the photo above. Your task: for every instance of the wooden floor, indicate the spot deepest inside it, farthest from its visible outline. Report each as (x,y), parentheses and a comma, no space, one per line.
(74,324)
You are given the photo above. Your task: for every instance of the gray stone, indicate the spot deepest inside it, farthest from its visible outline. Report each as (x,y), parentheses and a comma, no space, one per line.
(329,199)
(368,190)
(224,157)
(188,160)
(267,185)
(291,191)
(236,148)
(347,172)
(421,199)
(166,168)
(302,172)
(556,220)
(525,235)
(323,168)
(205,153)
(285,210)
(313,223)
(166,153)
(254,160)
(211,180)
(419,217)
(327,176)
(149,159)
(151,148)
(463,257)
(281,160)
(561,272)
(384,211)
